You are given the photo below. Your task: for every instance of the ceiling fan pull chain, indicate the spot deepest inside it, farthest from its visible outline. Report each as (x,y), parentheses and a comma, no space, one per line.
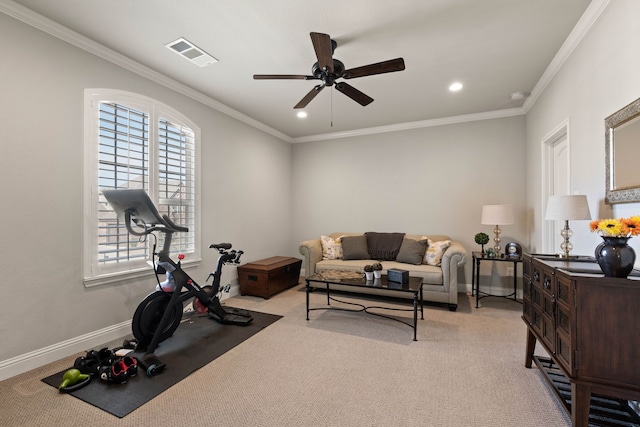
(331,108)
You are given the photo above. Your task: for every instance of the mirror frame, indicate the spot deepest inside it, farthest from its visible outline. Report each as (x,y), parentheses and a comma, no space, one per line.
(624,195)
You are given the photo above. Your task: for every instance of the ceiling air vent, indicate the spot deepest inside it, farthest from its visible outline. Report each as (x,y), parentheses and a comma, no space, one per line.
(193,53)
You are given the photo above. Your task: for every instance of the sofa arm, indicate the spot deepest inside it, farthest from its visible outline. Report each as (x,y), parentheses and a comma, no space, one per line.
(454,257)
(312,252)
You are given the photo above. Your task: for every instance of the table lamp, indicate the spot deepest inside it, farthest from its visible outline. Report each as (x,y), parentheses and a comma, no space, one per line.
(497,215)
(567,208)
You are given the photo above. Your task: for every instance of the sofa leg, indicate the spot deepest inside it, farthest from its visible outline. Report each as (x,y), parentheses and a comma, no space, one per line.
(453,307)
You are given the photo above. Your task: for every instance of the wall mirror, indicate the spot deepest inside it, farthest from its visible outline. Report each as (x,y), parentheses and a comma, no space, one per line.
(622,148)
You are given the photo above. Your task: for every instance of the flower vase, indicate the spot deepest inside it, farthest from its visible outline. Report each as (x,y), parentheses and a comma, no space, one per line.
(368,275)
(615,256)
(377,274)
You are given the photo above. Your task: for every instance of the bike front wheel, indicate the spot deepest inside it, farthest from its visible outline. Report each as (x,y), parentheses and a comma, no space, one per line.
(148,315)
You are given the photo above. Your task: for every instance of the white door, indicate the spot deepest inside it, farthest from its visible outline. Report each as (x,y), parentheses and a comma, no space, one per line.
(556,174)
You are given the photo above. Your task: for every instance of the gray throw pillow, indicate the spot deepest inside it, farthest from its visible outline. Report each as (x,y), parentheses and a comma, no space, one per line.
(412,251)
(355,247)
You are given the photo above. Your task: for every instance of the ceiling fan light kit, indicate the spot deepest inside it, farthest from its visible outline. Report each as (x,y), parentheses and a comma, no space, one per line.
(328,70)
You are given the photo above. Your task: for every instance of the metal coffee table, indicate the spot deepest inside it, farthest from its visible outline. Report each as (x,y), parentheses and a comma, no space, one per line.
(350,279)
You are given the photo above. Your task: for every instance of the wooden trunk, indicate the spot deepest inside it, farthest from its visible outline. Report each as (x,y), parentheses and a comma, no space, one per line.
(267,277)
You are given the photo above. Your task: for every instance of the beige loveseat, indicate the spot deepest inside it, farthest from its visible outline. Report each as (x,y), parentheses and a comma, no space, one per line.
(440,281)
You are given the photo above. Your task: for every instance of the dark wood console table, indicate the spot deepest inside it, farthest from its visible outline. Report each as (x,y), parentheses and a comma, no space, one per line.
(588,324)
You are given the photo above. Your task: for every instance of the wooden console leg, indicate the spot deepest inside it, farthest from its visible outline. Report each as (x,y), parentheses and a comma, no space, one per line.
(580,404)
(531,347)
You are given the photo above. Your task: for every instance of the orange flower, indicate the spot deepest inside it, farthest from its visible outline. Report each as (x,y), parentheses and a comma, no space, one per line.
(631,226)
(593,225)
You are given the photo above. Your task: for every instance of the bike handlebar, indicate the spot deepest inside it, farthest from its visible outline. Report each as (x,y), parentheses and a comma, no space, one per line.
(172,225)
(137,205)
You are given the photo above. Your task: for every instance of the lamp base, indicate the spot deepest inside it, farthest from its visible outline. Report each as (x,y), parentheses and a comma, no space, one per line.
(496,240)
(566,245)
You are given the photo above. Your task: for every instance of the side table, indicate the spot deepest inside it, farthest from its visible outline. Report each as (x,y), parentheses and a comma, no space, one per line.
(478,257)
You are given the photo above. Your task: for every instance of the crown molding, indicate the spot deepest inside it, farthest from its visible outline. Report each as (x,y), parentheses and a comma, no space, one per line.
(586,21)
(582,27)
(590,16)
(61,32)
(489,115)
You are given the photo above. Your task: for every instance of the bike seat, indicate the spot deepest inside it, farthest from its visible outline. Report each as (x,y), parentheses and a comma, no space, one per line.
(225,246)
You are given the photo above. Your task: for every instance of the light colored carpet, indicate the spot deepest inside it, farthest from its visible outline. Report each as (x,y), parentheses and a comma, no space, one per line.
(338,369)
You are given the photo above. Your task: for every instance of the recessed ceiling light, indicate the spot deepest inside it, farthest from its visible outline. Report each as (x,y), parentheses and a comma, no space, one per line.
(302,114)
(454,87)
(516,96)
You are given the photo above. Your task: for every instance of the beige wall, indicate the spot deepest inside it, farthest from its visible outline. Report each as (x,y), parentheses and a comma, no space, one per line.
(431,180)
(246,196)
(600,77)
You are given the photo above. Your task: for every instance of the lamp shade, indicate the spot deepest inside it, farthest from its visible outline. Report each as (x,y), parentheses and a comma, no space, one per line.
(497,215)
(568,208)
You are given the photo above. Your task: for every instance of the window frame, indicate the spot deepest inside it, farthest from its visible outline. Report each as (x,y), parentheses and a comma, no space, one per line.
(95,273)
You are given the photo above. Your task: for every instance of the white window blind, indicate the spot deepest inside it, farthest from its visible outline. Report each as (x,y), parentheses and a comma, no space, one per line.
(176,192)
(123,163)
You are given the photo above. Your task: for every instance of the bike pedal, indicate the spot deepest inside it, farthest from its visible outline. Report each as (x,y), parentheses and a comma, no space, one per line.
(152,365)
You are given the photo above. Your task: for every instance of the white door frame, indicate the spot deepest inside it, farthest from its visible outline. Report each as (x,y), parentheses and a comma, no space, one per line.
(549,179)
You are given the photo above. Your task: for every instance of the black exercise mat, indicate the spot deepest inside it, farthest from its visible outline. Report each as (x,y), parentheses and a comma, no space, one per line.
(197,341)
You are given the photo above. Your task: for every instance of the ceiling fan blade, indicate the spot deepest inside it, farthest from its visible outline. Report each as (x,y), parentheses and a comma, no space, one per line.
(378,68)
(281,77)
(354,94)
(324,51)
(309,96)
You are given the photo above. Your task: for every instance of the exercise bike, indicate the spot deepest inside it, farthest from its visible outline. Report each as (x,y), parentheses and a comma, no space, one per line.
(160,313)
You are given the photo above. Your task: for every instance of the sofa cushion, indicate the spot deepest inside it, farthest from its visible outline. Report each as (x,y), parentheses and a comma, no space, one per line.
(412,251)
(384,246)
(331,248)
(431,275)
(355,247)
(435,250)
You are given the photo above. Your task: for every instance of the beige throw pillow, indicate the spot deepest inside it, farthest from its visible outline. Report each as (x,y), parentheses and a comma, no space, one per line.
(331,248)
(435,250)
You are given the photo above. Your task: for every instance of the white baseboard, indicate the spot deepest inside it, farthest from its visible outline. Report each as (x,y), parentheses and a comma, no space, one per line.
(34,359)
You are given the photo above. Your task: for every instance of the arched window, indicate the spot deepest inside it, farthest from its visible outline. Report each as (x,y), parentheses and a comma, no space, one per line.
(135,142)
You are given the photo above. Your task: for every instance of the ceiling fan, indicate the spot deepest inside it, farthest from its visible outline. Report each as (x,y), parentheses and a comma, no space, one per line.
(329,69)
